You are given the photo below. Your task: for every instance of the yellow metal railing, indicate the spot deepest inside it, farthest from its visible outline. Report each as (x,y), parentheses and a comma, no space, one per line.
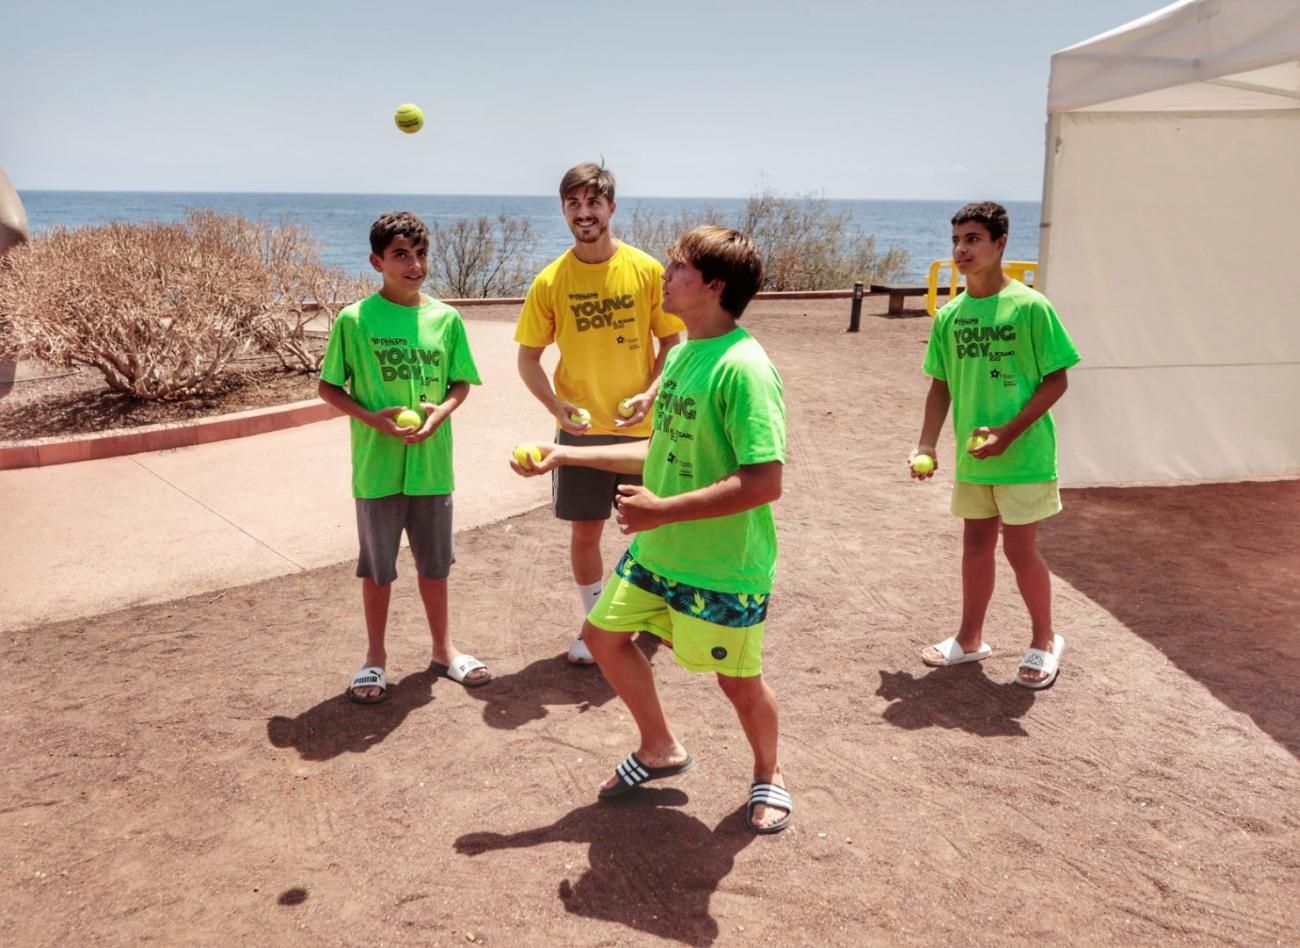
(1015,269)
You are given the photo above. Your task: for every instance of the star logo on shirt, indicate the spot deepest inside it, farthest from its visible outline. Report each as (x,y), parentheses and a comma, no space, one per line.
(620,340)
(672,458)
(995,374)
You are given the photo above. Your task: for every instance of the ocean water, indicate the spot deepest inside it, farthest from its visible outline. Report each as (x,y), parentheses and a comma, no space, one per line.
(341,222)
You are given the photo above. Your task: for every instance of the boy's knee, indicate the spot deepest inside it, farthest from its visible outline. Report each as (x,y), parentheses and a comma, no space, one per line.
(601,642)
(742,692)
(1019,548)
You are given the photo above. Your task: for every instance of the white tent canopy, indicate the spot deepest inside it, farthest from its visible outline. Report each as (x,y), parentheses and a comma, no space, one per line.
(1170,241)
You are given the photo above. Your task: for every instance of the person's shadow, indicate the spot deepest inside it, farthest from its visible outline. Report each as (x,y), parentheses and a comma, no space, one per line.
(511,701)
(339,725)
(651,868)
(959,697)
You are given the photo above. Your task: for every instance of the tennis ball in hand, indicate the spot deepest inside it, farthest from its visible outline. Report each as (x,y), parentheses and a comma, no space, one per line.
(526,455)
(923,464)
(409,118)
(974,441)
(408,418)
(626,409)
(581,417)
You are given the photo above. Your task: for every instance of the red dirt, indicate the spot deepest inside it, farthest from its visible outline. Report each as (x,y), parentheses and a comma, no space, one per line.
(190,773)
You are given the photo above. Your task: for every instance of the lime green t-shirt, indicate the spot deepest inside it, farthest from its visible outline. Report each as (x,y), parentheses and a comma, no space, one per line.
(993,352)
(387,355)
(604,318)
(719,407)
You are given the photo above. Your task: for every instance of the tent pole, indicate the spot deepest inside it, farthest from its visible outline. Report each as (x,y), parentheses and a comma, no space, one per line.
(1050,147)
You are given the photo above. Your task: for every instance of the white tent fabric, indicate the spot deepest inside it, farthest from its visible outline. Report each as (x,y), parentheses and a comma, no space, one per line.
(1171,201)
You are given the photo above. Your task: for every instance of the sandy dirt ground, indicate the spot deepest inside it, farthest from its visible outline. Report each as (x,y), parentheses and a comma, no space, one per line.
(190,773)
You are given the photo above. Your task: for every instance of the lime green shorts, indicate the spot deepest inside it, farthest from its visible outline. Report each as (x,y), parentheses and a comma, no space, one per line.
(1016,504)
(707,631)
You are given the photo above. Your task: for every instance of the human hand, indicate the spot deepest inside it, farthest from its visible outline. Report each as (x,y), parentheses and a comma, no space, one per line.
(995,441)
(640,405)
(550,460)
(638,509)
(563,414)
(434,416)
(927,450)
(385,420)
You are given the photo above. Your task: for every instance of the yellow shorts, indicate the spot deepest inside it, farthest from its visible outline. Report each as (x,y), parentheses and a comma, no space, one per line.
(707,631)
(1016,504)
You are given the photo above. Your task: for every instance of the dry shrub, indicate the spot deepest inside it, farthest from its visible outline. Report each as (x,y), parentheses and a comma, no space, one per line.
(804,245)
(306,295)
(481,257)
(162,309)
(158,309)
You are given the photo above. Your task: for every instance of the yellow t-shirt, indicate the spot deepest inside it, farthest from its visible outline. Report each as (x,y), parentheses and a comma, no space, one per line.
(604,318)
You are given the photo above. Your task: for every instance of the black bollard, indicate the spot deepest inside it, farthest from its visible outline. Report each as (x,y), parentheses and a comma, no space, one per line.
(855,315)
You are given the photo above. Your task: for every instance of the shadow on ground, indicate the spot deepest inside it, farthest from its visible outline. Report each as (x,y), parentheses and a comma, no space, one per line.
(1222,562)
(651,867)
(961,698)
(512,700)
(339,725)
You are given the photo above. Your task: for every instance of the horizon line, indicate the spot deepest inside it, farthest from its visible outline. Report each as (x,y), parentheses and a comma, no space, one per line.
(653,197)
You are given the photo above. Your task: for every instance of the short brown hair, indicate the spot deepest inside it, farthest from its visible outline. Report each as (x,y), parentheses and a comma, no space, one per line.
(397,224)
(588,175)
(992,215)
(720,253)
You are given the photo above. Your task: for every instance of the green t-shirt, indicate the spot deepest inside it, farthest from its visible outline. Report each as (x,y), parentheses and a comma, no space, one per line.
(719,408)
(387,355)
(993,352)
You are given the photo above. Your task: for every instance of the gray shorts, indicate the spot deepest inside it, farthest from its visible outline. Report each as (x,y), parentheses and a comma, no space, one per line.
(584,493)
(427,522)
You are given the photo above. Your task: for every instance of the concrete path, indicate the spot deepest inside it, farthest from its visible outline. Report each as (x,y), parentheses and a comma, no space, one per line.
(87,538)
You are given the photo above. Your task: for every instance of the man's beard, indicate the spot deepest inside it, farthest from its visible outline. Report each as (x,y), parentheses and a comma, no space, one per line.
(600,233)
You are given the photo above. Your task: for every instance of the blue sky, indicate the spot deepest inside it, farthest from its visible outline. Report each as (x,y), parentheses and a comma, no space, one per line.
(709,98)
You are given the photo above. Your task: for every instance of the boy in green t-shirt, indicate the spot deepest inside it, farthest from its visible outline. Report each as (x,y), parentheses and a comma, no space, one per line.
(700,570)
(399,364)
(997,354)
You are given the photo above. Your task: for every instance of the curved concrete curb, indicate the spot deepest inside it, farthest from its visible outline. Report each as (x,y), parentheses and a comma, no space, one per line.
(41,452)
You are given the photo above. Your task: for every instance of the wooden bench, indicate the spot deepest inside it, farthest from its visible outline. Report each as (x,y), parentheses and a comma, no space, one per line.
(897,291)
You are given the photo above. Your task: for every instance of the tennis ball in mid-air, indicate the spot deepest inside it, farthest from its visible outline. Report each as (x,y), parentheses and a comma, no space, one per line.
(974,441)
(923,464)
(581,417)
(408,418)
(526,455)
(409,118)
(626,409)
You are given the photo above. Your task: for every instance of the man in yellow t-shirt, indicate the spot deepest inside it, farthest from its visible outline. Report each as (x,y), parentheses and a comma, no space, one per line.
(601,303)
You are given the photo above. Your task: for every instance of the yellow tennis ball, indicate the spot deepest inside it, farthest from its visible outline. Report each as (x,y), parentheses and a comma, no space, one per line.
(409,118)
(923,464)
(626,409)
(974,441)
(408,418)
(581,417)
(526,455)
